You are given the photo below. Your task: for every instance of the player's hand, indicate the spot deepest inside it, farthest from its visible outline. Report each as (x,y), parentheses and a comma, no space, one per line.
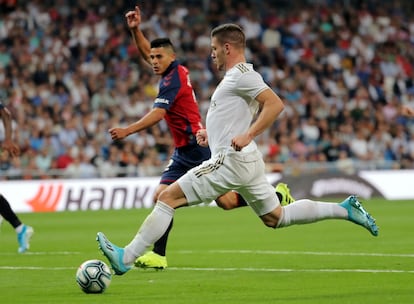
(11,147)
(240,141)
(202,138)
(133,18)
(118,133)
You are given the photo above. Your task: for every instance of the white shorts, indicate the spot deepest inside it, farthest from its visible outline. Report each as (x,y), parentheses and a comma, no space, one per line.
(230,170)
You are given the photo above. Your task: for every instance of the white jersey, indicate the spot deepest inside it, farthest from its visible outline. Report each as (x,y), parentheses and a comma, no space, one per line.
(233,107)
(232,110)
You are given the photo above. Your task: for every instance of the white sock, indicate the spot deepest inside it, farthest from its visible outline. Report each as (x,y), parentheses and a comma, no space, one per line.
(19,228)
(306,211)
(150,231)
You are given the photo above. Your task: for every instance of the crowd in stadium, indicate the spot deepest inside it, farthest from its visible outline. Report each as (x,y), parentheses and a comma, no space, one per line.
(69,71)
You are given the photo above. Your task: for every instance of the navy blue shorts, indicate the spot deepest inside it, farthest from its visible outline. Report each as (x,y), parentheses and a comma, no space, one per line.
(182,160)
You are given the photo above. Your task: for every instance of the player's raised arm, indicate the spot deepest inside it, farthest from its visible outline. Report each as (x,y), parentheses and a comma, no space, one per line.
(8,143)
(133,19)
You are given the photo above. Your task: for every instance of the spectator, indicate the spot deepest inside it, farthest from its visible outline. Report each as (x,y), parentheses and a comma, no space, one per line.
(74,74)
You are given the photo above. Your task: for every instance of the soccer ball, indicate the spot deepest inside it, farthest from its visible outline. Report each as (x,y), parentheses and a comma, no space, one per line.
(93,276)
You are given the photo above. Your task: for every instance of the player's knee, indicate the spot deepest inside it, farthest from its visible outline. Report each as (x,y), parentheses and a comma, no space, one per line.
(164,195)
(270,223)
(229,201)
(225,206)
(173,196)
(271,219)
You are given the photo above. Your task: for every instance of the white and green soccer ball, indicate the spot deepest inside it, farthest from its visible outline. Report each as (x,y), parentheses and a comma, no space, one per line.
(93,276)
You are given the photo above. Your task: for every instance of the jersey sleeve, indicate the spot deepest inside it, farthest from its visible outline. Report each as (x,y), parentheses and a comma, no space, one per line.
(169,89)
(251,84)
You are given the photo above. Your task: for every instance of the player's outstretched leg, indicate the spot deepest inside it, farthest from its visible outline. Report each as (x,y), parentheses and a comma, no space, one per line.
(358,215)
(23,238)
(113,253)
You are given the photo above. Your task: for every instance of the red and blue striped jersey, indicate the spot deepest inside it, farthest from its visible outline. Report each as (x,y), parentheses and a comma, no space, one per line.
(176,95)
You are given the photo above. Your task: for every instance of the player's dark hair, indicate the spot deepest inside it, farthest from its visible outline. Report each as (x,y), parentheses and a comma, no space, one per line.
(229,33)
(162,42)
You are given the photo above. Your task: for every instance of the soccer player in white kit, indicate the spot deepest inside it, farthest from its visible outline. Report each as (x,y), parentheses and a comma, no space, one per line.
(233,121)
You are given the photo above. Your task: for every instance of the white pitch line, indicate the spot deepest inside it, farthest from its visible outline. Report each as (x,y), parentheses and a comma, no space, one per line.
(323,253)
(263,252)
(43,253)
(35,268)
(295,270)
(196,269)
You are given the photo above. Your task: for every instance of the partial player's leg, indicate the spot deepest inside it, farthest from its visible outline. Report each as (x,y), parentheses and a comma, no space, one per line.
(261,197)
(232,199)
(122,258)
(156,258)
(24,232)
(306,211)
(180,163)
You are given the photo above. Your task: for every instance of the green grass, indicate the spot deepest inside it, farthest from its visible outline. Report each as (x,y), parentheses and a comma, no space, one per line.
(219,257)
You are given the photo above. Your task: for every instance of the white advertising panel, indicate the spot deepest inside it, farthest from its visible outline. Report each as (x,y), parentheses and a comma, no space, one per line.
(127,193)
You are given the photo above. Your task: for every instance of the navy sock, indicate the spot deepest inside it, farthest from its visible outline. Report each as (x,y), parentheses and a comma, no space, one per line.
(241,202)
(160,246)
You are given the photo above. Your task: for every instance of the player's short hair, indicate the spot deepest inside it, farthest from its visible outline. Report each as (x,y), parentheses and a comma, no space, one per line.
(162,42)
(229,33)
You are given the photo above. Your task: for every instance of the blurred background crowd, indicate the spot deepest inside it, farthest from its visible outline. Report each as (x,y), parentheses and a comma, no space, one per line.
(69,72)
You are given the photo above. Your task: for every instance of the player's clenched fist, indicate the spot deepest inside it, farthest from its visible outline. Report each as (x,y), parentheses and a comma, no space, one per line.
(201,137)
(133,18)
(118,133)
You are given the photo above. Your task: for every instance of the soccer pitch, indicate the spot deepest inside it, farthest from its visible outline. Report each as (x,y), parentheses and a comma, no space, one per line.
(218,256)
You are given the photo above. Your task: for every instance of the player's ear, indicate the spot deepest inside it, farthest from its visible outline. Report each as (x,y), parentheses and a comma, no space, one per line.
(227,48)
